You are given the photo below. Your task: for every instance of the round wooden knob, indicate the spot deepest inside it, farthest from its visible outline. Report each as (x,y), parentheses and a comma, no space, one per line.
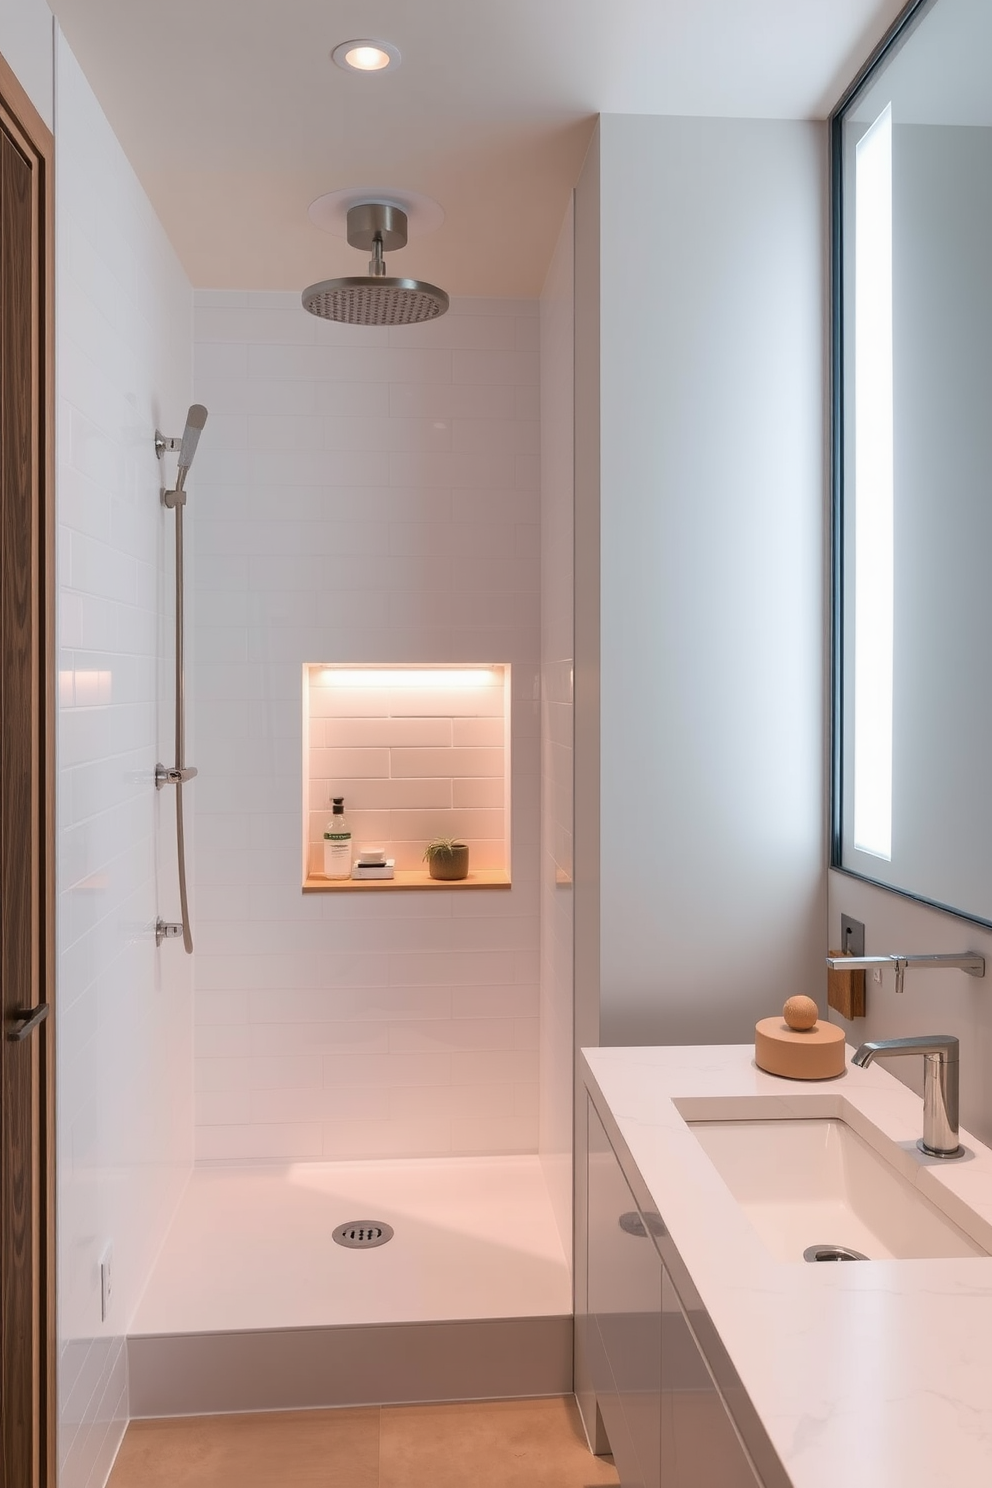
(801,1013)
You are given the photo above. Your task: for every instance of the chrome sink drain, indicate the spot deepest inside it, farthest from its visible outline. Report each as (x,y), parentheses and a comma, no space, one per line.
(362,1234)
(832,1253)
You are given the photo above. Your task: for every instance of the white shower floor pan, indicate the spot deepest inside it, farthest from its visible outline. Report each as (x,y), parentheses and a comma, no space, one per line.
(252,1306)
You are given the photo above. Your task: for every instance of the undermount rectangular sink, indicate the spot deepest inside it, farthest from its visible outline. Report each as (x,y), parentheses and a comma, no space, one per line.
(815,1182)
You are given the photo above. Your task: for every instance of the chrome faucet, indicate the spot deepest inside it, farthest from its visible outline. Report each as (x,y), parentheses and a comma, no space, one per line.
(941,1053)
(971,964)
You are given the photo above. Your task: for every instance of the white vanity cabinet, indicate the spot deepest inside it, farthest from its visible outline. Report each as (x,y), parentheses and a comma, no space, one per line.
(624,1318)
(667,1423)
(699,1445)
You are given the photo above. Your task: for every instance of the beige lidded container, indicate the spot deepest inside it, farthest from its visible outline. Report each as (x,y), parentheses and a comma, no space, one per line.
(797,1046)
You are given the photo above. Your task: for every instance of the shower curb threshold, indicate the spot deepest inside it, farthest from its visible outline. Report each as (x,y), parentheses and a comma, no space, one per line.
(407,1363)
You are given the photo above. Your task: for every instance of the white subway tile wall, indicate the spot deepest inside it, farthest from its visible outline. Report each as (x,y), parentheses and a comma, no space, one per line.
(364,497)
(413,762)
(125,1025)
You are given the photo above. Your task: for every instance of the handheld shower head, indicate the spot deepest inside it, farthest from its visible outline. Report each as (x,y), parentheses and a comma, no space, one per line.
(195,420)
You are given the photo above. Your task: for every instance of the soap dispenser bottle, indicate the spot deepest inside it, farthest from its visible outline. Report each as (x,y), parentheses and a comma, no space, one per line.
(337,842)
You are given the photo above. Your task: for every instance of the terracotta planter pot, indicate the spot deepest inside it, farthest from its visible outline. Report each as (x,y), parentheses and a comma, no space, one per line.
(449,865)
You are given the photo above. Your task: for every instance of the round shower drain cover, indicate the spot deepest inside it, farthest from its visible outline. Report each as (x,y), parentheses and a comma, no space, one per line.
(363,1234)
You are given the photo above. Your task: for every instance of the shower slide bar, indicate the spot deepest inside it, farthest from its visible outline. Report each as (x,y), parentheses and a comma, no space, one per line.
(179,773)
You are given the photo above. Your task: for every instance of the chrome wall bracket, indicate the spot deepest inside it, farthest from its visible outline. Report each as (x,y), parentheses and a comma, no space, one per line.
(164,445)
(167,930)
(173,775)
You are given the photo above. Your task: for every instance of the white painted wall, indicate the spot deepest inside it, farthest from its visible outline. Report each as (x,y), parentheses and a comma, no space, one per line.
(124,1008)
(26,40)
(712,887)
(557,651)
(587,628)
(364,495)
(699,621)
(586,335)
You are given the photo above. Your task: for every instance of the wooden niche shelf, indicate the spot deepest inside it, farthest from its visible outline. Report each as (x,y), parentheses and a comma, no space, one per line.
(410,878)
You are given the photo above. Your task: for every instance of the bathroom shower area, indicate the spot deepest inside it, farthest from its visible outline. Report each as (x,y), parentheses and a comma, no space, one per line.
(368,1216)
(377,575)
(379,554)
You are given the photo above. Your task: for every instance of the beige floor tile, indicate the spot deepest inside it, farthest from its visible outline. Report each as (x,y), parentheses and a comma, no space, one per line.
(277,1449)
(490,1444)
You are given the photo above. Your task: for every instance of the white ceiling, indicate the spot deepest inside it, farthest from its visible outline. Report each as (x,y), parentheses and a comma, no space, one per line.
(235,118)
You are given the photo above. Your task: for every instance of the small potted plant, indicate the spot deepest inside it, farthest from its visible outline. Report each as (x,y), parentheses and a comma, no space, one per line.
(447,858)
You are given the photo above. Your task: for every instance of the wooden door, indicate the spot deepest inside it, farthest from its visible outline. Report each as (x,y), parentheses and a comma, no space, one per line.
(27,1324)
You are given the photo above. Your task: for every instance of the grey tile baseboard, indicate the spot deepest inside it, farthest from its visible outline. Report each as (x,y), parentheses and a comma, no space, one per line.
(188,1374)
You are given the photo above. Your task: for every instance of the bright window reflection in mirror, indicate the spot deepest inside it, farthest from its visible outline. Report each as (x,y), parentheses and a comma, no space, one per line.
(873,489)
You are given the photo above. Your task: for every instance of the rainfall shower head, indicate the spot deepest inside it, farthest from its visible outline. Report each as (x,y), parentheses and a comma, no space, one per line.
(374,299)
(195,420)
(382,301)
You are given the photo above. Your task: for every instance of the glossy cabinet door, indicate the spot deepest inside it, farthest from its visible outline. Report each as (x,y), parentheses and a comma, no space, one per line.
(699,1446)
(624,1318)
(665,1419)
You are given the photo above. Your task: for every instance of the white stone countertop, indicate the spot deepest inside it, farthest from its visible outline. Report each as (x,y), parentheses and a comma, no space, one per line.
(876,1374)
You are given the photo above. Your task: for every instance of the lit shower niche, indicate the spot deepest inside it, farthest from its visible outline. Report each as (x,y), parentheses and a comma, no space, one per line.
(417,752)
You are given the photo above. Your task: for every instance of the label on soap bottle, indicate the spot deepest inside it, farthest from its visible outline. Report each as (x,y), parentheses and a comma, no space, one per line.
(337,854)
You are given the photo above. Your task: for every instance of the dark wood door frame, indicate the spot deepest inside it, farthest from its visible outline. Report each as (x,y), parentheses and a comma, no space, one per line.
(28,1343)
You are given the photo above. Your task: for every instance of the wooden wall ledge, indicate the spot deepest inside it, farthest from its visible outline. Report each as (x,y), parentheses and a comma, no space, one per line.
(409,878)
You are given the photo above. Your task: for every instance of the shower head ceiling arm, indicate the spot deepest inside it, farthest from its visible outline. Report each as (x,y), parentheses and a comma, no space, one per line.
(380,228)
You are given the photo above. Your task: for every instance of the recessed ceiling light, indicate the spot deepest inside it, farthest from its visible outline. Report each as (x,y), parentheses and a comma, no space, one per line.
(366,55)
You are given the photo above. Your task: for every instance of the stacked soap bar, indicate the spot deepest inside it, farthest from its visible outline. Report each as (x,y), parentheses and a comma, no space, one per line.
(373,863)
